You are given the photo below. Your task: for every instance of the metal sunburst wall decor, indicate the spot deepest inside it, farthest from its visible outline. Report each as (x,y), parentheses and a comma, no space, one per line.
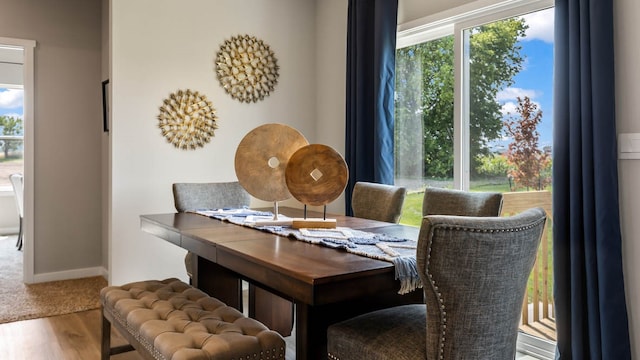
(247,68)
(187,119)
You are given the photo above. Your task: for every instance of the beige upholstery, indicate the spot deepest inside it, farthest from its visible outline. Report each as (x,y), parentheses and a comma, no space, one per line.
(198,196)
(169,319)
(439,201)
(377,201)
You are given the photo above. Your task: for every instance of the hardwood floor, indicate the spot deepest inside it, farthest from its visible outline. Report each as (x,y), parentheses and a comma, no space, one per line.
(67,337)
(76,337)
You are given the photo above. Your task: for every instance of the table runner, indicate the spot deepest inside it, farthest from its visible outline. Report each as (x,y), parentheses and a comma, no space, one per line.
(400,252)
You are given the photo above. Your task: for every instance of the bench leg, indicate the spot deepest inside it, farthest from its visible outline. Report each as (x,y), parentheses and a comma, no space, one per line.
(106,339)
(105,347)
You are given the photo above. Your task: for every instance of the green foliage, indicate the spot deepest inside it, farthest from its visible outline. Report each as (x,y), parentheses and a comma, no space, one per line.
(10,126)
(492,165)
(425,93)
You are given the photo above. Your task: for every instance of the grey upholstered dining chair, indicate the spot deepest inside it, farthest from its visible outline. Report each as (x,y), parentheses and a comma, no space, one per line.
(377,201)
(474,271)
(195,196)
(439,201)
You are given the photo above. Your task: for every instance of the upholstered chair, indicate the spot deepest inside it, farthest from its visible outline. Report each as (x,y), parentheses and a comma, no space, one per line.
(439,201)
(474,271)
(198,196)
(377,201)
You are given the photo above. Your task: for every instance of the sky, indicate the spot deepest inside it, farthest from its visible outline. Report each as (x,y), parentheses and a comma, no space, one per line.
(11,102)
(536,79)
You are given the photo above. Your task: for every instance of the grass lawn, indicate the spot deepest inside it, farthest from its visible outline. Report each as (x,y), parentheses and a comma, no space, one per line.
(412,216)
(412,209)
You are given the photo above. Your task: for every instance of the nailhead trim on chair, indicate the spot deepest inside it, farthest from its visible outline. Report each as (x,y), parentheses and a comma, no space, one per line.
(443,312)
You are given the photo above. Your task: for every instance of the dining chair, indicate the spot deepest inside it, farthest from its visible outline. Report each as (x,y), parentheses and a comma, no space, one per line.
(17,182)
(377,201)
(199,196)
(474,271)
(440,201)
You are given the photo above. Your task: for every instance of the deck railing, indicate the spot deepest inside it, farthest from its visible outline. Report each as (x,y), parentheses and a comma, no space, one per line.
(538,317)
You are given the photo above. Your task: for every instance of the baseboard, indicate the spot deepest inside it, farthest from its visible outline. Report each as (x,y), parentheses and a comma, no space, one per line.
(70,274)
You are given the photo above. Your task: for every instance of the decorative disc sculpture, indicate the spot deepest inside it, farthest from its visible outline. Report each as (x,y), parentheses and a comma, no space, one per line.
(261,161)
(187,119)
(316,175)
(247,68)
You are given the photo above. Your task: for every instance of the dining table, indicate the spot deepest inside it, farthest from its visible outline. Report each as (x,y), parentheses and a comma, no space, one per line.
(288,279)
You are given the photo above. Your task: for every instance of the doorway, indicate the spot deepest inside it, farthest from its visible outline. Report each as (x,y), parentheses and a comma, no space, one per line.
(20,56)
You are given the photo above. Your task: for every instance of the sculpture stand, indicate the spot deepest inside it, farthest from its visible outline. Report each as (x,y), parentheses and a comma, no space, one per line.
(314,223)
(276,220)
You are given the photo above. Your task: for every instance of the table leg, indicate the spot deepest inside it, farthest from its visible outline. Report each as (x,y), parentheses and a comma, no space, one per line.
(218,282)
(311,333)
(312,321)
(273,311)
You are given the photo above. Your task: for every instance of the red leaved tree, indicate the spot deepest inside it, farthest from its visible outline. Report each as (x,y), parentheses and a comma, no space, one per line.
(527,161)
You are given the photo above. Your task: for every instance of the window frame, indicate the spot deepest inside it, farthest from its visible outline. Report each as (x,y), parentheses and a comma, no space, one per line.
(454,22)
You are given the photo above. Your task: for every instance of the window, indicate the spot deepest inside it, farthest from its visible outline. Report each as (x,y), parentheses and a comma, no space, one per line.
(473,111)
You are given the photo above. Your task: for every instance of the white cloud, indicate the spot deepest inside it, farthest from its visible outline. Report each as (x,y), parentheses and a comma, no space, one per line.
(540,25)
(11,98)
(513,93)
(508,108)
(15,115)
(510,97)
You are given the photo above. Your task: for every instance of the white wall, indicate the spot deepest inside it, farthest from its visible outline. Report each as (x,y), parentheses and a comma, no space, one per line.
(175,49)
(331,52)
(627,51)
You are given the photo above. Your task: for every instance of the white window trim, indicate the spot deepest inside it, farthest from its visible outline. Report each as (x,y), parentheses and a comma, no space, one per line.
(442,24)
(455,21)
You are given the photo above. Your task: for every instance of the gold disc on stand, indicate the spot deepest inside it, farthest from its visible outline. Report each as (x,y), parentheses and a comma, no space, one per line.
(262,157)
(316,175)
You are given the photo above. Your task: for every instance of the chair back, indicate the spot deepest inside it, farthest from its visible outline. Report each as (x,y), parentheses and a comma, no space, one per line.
(195,196)
(17,182)
(377,201)
(439,201)
(475,271)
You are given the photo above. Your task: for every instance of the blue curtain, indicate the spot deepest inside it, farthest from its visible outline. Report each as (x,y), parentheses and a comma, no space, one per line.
(371,48)
(591,314)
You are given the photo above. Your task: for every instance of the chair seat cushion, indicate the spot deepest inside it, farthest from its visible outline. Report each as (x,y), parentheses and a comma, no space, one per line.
(397,333)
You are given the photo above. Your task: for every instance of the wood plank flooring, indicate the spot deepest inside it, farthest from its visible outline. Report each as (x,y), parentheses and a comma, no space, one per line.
(67,337)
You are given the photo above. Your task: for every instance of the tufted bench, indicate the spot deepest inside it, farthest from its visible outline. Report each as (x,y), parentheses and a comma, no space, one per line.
(170,320)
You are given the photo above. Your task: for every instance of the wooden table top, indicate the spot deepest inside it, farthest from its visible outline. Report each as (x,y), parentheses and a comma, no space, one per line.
(289,266)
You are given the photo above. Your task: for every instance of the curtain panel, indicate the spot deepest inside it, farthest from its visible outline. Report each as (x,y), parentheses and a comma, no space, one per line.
(591,314)
(371,46)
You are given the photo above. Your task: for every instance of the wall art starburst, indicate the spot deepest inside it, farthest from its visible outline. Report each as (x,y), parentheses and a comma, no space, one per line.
(246,68)
(187,119)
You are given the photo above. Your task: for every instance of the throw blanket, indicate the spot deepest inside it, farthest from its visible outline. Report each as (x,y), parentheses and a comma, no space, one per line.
(400,252)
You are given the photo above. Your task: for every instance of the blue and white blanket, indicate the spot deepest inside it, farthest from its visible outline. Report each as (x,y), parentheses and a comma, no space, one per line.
(400,252)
